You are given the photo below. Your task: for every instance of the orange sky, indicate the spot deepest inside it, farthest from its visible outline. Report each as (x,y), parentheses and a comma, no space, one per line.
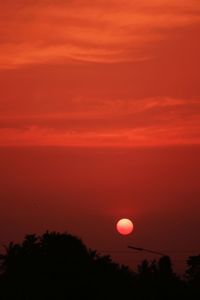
(99,73)
(111,89)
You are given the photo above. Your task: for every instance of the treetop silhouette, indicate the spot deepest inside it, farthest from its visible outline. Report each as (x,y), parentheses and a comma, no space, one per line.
(59,266)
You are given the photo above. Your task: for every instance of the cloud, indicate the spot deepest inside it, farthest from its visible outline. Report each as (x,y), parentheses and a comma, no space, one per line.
(144,122)
(138,137)
(101,31)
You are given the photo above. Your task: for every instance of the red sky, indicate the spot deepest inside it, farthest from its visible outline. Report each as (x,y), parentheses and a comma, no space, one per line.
(111,89)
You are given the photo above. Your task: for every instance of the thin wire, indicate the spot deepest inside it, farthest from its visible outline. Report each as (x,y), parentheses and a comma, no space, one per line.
(167,251)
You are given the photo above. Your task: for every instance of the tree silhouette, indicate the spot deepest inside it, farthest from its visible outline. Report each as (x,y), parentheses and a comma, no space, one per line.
(193,274)
(158,281)
(59,266)
(193,271)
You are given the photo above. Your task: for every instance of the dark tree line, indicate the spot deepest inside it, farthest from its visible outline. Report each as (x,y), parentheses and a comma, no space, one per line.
(59,266)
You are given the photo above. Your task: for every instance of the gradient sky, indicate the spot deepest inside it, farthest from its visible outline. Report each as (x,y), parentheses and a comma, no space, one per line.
(100,118)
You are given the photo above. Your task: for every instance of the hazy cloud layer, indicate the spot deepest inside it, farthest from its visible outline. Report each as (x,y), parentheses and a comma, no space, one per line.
(108,123)
(94,31)
(100,72)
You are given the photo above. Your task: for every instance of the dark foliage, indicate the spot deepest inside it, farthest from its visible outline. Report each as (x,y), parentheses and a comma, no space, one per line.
(59,266)
(193,276)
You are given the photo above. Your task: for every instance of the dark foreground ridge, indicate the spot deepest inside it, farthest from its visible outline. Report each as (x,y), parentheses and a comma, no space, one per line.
(59,266)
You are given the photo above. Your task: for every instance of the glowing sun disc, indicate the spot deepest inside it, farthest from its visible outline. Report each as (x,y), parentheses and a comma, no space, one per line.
(124,226)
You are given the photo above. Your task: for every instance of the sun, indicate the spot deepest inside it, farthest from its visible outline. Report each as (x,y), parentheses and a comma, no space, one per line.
(125,226)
